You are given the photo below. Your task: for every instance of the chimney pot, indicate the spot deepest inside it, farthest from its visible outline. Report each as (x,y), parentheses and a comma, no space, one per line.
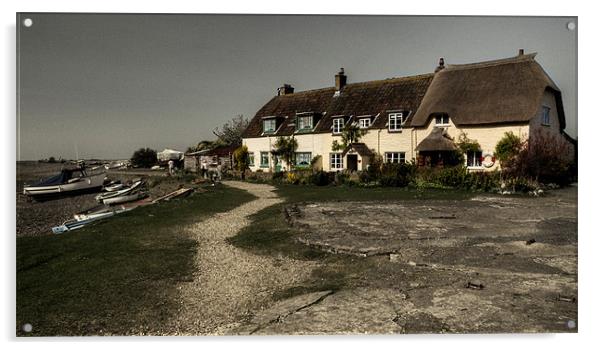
(340,80)
(441,65)
(521,52)
(285,89)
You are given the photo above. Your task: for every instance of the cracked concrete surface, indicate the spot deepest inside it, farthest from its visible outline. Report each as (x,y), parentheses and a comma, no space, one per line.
(418,258)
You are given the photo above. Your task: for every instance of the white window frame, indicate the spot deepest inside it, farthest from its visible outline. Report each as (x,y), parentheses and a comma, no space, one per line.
(267,157)
(251,156)
(395,157)
(270,121)
(297,154)
(336,161)
(307,121)
(478,161)
(545,115)
(337,125)
(396,121)
(439,120)
(363,124)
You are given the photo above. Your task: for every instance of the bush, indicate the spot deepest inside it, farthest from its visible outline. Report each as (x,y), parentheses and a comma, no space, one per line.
(460,178)
(508,147)
(397,175)
(278,176)
(545,158)
(321,178)
(144,158)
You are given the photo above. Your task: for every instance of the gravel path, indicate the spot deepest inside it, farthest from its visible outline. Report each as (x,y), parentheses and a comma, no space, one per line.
(231,285)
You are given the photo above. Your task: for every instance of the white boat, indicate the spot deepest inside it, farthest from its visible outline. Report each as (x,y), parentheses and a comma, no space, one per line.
(101,197)
(114,187)
(124,198)
(69,181)
(82,219)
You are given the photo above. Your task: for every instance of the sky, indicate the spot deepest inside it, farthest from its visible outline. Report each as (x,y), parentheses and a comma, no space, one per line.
(104,85)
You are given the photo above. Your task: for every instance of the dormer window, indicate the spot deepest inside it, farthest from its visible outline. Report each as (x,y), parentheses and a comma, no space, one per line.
(545,115)
(305,123)
(337,125)
(269,126)
(364,123)
(396,121)
(442,120)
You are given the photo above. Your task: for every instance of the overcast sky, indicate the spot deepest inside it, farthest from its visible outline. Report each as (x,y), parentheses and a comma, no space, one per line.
(105,85)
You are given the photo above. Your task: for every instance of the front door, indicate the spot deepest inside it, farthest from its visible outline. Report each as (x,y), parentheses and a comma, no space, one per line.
(277,164)
(352,162)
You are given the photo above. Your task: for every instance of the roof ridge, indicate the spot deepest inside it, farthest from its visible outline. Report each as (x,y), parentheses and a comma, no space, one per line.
(394,79)
(386,80)
(490,63)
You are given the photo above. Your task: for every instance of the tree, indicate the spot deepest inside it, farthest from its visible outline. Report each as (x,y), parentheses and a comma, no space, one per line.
(144,158)
(352,133)
(508,147)
(231,132)
(285,149)
(241,160)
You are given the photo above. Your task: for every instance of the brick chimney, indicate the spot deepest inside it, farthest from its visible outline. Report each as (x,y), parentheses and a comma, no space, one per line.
(521,52)
(340,80)
(441,65)
(285,89)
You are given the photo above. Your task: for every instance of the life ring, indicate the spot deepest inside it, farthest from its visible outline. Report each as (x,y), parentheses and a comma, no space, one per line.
(488,160)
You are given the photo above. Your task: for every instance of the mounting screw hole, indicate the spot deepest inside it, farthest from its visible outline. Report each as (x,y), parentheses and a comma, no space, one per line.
(27,327)
(27,22)
(571,324)
(571,26)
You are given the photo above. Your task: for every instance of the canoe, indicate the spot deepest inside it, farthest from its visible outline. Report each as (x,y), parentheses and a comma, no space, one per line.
(101,197)
(125,198)
(81,220)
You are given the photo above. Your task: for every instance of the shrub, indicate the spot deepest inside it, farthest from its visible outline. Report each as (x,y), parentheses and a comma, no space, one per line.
(144,158)
(397,175)
(508,147)
(545,158)
(321,178)
(292,178)
(278,176)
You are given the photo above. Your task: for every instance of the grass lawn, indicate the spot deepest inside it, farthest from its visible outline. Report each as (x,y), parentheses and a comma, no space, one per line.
(118,275)
(269,234)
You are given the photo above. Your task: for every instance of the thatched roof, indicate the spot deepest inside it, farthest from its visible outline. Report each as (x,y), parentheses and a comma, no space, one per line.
(494,92)
(373,98)
(360,148)
(437,140)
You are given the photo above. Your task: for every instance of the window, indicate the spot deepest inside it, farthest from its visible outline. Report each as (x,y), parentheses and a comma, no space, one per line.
(395,157)
(305,123)
(303,159)
(442,120)
(364,123)
(474,159)
(336,161)
(251,159)
(545,115)
(396,120)
(269,125)
(265,159)
(337,125)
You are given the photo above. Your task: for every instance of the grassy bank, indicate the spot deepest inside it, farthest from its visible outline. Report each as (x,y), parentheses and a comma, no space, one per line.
(117,275)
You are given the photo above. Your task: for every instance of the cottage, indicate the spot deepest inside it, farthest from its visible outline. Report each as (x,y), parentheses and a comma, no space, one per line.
(417,117)
(211,157)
